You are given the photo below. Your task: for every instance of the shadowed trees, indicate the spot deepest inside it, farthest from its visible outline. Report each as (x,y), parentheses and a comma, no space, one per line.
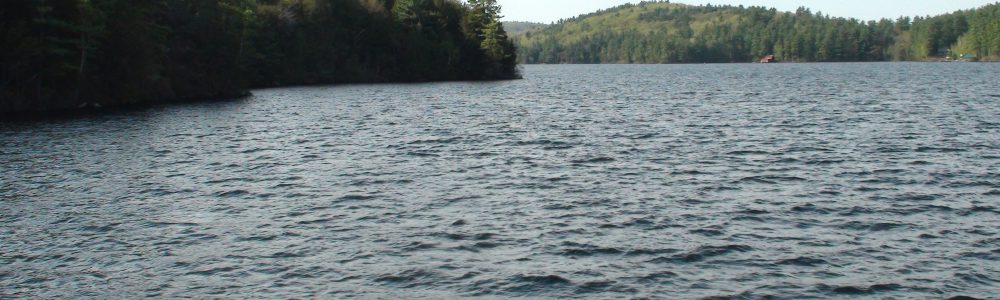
(71,53)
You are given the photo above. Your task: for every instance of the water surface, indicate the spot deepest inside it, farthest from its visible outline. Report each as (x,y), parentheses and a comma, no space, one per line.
(675,181)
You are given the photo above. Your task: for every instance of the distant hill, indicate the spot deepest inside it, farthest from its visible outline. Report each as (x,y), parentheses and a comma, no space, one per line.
(664,32)
(516,27)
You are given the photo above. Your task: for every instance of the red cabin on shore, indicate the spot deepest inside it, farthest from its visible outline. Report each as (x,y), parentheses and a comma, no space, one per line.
(768,59)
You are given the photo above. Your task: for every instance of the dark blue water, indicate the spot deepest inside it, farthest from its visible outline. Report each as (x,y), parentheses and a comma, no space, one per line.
(678,181)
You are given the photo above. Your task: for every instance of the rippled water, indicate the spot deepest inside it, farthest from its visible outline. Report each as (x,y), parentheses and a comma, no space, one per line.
(678,181)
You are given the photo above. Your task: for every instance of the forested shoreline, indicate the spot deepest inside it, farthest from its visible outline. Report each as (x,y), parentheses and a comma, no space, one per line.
(63,54)
(664,32)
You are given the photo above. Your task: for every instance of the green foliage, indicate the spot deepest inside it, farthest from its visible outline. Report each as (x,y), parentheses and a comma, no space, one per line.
(483,24)
(68,53)
(514,28)
(663,32)
(983,36)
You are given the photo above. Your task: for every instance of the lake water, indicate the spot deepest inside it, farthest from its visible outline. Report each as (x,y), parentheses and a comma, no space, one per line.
(614,181)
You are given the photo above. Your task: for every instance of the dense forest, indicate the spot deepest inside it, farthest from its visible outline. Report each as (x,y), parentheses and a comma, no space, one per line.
(515,27)
(664,32)
(70,53)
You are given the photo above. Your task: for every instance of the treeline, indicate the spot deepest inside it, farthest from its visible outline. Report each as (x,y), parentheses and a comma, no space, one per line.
(70,53)
(662,32)
(516,27)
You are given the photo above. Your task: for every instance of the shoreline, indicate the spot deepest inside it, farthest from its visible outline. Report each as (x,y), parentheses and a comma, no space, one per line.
(98,108)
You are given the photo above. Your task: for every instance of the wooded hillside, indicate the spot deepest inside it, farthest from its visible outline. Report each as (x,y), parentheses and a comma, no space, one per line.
(664,32)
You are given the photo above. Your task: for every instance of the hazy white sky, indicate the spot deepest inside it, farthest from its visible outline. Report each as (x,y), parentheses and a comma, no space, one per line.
(551,10)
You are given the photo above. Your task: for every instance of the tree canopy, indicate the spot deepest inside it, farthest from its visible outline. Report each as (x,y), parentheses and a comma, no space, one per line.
(68,53)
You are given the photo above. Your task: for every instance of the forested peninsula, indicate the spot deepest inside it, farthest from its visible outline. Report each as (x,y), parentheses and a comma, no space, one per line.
(62,54)
(664,32)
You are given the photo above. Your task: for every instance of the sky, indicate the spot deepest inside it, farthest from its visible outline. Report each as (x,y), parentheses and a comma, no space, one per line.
(547,11)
